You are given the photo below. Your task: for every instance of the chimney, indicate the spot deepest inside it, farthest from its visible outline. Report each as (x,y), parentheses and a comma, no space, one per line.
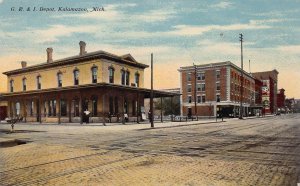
(49,55)
(82,45)
(24,64)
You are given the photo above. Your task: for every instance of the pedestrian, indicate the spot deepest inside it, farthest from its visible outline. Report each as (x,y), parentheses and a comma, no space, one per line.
(87,115)
(150,117)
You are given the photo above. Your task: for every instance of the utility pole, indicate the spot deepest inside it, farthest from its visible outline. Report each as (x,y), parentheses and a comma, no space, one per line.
(195,89)
(151,94)
(249,67)
(242,79)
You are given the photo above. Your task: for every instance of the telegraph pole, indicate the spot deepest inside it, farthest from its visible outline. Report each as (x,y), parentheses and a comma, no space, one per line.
(151,94)
(242,80)
(195,89)
(249,67)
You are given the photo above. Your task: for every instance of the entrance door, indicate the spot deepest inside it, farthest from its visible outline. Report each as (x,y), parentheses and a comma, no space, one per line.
(189,112)
(3,112)
(85,106)
(38,112)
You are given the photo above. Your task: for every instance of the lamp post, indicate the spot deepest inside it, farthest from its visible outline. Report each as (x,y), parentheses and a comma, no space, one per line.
(151,94)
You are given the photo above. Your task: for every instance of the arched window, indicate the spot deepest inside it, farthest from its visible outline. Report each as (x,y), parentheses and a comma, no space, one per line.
(137,79)
(38,82)
(11,85)
(123,77)
(111,72)
(59,79)
(94,74)
(76,77)
(24,84)
(127,77)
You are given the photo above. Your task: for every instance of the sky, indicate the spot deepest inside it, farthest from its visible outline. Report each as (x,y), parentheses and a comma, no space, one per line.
(178,33)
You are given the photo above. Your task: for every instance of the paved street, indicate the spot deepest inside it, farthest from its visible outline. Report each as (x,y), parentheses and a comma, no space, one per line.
(260,151)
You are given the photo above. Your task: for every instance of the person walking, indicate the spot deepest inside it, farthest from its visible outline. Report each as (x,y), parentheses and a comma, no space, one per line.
(87,116)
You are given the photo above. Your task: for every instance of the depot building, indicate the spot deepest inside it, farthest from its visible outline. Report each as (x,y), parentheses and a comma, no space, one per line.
(57,91)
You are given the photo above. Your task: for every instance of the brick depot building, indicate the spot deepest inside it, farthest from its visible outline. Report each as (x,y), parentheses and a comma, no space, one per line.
(106,85)
(209,88)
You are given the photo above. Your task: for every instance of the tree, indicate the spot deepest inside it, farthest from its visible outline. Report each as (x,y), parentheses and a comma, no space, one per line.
(169,106)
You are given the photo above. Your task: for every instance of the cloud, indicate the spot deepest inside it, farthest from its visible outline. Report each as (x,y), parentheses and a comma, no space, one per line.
(1,1)
(192,30)
(222,5)
(290,49)
(50,34)
(119,13)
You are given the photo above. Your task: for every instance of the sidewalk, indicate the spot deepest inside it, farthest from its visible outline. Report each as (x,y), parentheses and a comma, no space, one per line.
(142,125)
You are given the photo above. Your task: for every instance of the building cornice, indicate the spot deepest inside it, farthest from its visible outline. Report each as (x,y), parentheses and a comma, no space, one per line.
(77,59)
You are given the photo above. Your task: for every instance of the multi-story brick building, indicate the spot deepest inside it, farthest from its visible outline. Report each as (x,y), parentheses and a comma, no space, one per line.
(105,84)
(269,90)
(209,88)
(281,100)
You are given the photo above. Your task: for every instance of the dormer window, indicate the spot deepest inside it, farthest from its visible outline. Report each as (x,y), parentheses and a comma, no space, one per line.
(94,74)
(38,82)
(11,84)
(24,84)
(76,77)
(59,79)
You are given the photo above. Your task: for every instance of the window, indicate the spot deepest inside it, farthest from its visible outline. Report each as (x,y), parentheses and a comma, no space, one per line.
(11,84)
(137,79)
(218,74)
(31,108)
(203,99)
(198,99)
(189,76)
(111,72)
(218,86)
(218,98)
(63,107)
(76,108)
(59,79)
(125,106)
(94,106)
(111,105)
(116,105)
(24,84)
(45,108)
(189,88)
(201,76)
(38,82)
(134,103)
(123,77)
(18,108)
(127,74)
(201,87)
(76,77)
(189,99)
(94,74)
(52,108)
